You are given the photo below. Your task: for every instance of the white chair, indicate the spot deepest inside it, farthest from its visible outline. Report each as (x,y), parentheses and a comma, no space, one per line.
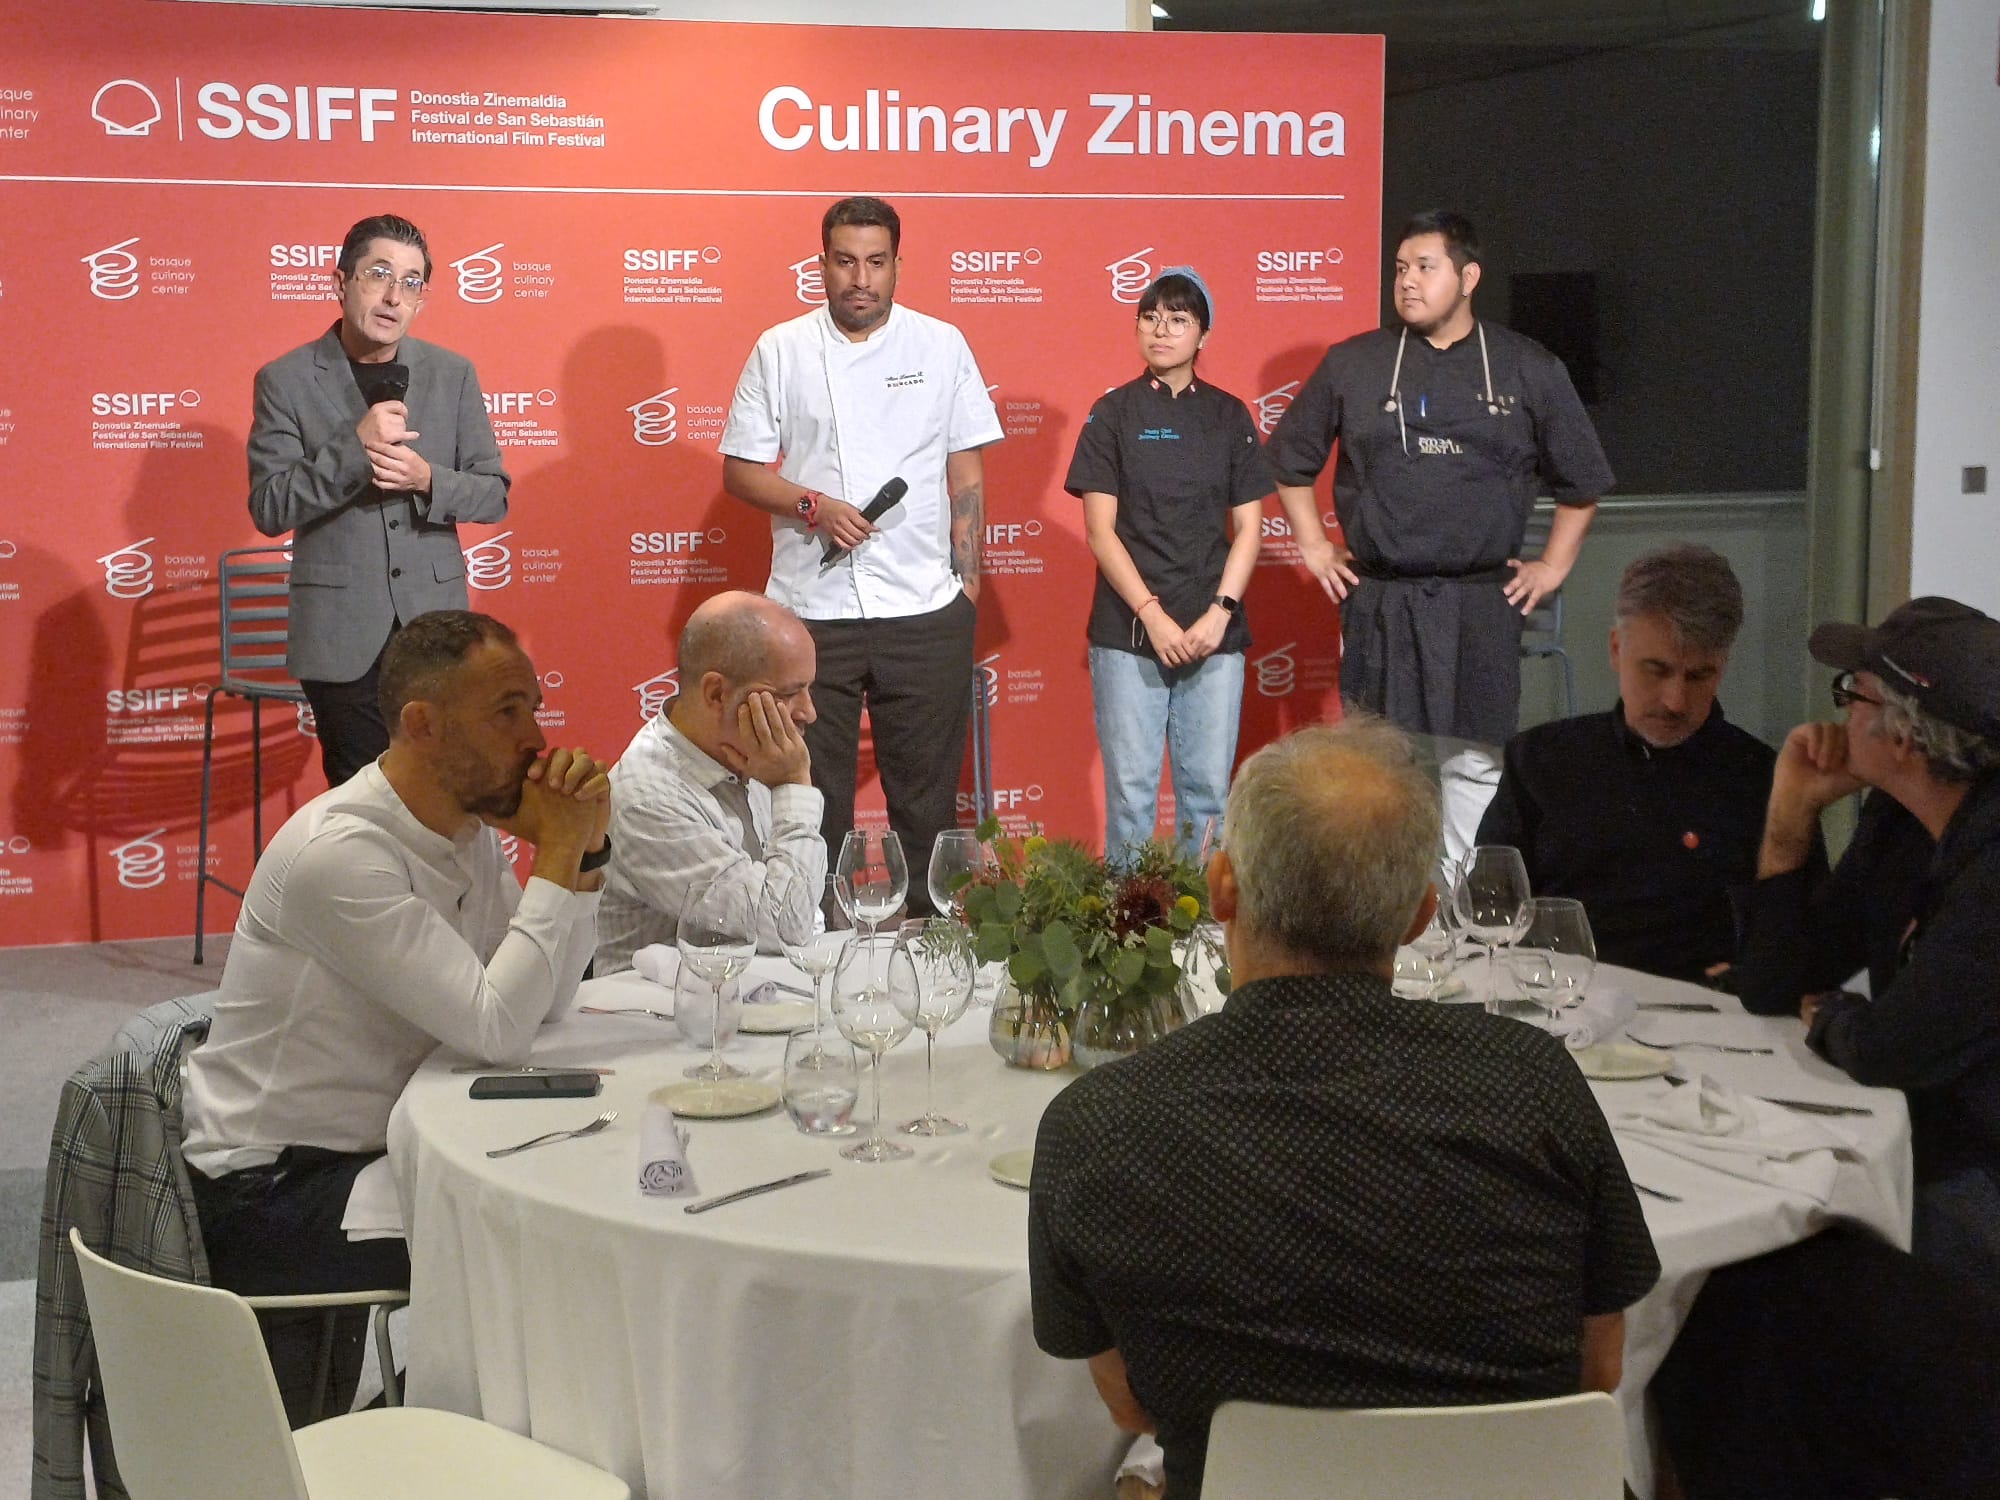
(195,1415)
(1569,1448)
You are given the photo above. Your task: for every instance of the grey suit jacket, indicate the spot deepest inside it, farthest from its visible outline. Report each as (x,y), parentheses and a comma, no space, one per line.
(362,560)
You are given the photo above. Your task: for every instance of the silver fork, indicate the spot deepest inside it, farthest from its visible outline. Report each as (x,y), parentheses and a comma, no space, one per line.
(625,1010)
(1712,1046)
(561,1135)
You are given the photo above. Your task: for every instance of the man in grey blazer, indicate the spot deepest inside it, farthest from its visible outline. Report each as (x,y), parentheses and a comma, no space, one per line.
(369,447)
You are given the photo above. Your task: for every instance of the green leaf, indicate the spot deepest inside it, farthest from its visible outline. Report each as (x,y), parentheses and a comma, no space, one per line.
(994,943)
(1007,901)
(1126,965)
(1159,944)
(1065,959)
(988,831)
(1026,968)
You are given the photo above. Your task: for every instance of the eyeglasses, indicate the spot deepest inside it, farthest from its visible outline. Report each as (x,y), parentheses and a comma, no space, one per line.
(377,278)
(1844,695)
(1177,324)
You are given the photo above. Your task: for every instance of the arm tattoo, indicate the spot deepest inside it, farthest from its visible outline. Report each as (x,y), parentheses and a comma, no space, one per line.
(968,529)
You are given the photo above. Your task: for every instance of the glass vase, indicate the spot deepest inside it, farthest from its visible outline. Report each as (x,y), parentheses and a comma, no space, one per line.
(1028,1031)
(1111,1027)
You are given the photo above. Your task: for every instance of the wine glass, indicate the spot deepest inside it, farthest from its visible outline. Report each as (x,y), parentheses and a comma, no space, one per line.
(1491,901)
(868,1017)
(820,1084)
(1419,975)
(931,990)
(717,938)
(1558,953)
(811,951)
(870,877)
(956,858)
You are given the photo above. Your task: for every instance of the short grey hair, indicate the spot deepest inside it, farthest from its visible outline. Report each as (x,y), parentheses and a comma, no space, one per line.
(1692,588)
(1953,754)
(1332,833)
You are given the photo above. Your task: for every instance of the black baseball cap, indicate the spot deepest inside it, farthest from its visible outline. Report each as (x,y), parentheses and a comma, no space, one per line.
(1944,654)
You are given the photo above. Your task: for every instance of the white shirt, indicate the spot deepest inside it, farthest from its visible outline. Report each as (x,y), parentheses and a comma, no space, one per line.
(365,940)
(680,818)
(846,418)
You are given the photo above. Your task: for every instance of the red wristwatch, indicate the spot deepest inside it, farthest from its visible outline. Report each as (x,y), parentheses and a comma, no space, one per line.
(809,508)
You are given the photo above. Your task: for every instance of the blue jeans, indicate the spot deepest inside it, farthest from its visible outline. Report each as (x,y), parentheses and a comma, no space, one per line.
(1191,712)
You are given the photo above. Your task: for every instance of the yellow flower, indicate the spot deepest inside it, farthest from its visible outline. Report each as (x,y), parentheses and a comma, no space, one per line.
(1035,845)
(1188,907)
(1091,906)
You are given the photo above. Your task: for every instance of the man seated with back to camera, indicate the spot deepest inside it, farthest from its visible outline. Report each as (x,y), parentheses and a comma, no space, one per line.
(1649,812)
(1217,1217)
(718,786)
(383,919)
(1915,900)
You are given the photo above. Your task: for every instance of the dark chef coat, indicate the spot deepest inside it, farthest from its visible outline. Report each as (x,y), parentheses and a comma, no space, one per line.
(1178,465)
(1433,500)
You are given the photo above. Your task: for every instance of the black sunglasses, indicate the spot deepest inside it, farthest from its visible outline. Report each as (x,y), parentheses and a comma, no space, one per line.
(1844,695)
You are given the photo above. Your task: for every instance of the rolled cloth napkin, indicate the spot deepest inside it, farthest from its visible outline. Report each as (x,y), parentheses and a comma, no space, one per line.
(663,1165)
(1708,1122)
(1602,1016)
(659,962)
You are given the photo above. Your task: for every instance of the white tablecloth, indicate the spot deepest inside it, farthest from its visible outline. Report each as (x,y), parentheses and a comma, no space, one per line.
(868,1335)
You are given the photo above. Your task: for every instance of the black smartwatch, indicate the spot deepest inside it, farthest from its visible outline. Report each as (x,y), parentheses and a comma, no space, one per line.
(1229,605)
(595,860)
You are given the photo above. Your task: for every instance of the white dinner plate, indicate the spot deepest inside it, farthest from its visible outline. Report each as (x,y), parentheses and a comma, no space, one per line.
(1612,1062)
(716,1099)
(776,1018)
(1013,1168)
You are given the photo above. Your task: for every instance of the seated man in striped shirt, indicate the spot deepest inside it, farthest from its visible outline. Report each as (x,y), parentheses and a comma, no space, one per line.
(718,786)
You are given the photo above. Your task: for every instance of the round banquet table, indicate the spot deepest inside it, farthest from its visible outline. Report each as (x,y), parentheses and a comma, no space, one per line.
(869,1334)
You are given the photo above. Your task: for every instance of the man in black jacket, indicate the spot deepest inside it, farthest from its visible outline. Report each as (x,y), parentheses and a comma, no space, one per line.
(1915,899)
(1648,813)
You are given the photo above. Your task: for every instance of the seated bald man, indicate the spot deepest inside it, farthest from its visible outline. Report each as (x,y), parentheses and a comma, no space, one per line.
(1325,1195)
(718,786)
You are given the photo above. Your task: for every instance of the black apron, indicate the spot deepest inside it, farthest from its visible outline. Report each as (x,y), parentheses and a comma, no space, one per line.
(1440,653)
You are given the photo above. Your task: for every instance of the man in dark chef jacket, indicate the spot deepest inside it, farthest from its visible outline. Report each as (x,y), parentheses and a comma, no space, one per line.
(1448,428)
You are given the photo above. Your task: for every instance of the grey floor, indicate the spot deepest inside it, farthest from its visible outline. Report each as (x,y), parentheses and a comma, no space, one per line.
(62,1006)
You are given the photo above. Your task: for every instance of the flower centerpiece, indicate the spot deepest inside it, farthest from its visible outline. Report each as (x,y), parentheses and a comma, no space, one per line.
(1095,950)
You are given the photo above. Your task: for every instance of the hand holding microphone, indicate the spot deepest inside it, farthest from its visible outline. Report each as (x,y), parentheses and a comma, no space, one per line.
(385,431)
(846,528)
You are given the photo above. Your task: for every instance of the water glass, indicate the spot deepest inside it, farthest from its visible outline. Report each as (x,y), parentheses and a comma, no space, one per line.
(869,1018)
(931,985)
(1556,955)
(821,1083)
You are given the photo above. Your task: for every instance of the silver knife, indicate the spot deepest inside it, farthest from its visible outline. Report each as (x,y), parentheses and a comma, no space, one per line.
(532,1068)
(1677,1005)
(751,1192)
(1818,1106)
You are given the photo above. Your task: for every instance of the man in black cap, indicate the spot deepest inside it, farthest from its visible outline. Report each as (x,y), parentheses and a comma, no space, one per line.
(1915,899)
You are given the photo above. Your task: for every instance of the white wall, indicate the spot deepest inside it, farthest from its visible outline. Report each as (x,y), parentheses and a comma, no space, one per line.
(1955,541)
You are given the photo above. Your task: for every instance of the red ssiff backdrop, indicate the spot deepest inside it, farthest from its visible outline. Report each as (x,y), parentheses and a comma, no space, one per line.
(175,178)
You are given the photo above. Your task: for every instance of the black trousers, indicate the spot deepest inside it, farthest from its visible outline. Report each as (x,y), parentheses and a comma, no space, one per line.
(352,732)
(275,1231)
(915,676)
(1839,1369)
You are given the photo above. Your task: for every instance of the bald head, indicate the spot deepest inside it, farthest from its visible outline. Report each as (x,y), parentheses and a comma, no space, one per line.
(1331,834)
(738,634)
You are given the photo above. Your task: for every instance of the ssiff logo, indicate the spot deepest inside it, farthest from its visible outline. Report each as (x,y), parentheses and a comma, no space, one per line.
(114,271)
(1277,671)
(126,106)
(809,284)
(655,691)
(1272,404)
(656,420)
(1131,276)
(479,274)
(489,564)
(142,864)
(128,572)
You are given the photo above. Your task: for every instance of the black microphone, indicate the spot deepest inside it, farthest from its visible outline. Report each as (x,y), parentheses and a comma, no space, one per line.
(381,383)
(886,499)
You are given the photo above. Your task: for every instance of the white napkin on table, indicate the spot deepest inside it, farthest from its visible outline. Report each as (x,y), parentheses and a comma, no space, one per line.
(1144,1460)
(663,1165)
(1708,1122)
(659,962)
(1602,1015)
